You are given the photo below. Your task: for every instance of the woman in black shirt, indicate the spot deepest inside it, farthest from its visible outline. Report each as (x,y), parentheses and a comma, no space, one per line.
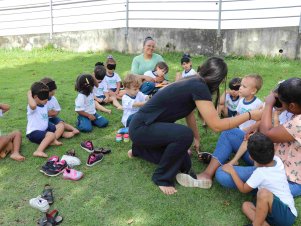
(158,139)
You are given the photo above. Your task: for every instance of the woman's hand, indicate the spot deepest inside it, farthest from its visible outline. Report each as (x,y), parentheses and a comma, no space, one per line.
(196,144)
(270,99)
(228,168)
(91,117)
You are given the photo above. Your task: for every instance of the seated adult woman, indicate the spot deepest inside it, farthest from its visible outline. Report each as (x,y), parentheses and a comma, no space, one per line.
(158,139)
(147,60)
(287,139)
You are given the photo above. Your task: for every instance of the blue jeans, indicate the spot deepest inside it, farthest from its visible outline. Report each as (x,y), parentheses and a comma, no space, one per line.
(85,125)
(228,143)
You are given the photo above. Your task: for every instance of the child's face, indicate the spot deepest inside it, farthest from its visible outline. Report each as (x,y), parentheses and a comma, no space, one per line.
(186,66)
(160,72)
(234,93)
(52,93)
(39,101)
(111,68)
(132,91)
(247,87)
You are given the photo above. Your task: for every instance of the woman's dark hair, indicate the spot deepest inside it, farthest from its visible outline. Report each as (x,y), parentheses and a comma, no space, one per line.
(84,84)
(289,91)
(213,71)
(147,39)
(261,148)
(99,71)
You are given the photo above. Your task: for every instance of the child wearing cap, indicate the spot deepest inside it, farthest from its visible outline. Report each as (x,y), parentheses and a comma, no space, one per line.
(39,130)
(187,66)
(229,100)
(54,109)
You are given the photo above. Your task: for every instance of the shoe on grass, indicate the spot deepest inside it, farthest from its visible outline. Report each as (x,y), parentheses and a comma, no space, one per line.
(188,181)
(72,174)
(39,203)
(87,145)
(94,158)
(71,160)
(54,169)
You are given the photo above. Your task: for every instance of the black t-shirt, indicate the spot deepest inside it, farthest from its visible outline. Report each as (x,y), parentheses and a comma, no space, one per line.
(175,101)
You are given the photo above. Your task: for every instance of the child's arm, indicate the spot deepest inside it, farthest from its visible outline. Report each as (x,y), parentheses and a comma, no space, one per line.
(242,187)
(117,88)
(85,114)
(4,107)
(31,102)
(241,151)
(139,104)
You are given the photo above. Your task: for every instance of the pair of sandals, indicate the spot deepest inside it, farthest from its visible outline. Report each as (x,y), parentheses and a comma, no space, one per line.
(204,157)
(53,217)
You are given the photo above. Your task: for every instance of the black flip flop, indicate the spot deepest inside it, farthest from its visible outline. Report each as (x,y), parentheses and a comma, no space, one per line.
(204,157)
(47,194)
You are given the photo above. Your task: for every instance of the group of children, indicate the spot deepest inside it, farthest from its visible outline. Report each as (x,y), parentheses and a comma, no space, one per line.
(104,86)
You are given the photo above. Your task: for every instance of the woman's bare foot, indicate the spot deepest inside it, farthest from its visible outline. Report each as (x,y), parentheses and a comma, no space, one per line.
(75,131)
(56,143)
(68,134)
(17,157)
(130,154)
(40,154)
(168,190)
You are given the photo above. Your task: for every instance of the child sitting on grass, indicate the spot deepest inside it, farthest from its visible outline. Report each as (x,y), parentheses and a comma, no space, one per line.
(112,79)
(39,130)
(101,93)
(157,79)
(133,99)
(85,105)
(229,99)
(274,203)
(54,109)
(10,142)
(187,66)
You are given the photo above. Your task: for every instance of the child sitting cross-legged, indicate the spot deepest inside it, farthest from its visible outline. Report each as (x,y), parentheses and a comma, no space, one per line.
(39,130)
(85,105)
(54,109)
(274,203)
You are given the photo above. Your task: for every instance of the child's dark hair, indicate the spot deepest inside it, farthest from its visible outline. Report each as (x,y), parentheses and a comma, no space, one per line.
(234,84)
(147,39)
(84,84)
(185,58)
(289,91)
(50,83)
(163,66)
(38,87)
(131,80)
(261,148)
(110,60)
(99,71)
(258,80)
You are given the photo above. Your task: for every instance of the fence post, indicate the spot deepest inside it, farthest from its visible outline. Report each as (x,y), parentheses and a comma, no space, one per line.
(51,20)
(219,18)
(126,34)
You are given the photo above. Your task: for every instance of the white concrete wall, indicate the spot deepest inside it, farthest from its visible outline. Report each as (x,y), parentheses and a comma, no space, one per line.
(34,16)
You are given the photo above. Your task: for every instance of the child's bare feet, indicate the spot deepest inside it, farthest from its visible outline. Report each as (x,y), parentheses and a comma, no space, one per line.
(130,154)
(68,134)
(40,154)
(108,111)
(75,131)
(168,190)
(120,108)
(17,157)
(56,143)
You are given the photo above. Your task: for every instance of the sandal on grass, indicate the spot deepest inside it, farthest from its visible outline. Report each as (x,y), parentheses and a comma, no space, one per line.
(71,152)
(102,150)
(204,157)
(53,217)
(47,194)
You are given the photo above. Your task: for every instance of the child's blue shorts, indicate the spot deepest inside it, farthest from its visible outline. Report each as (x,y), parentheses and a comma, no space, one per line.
(113,89)
(55,120)
(38,135)
(281,214)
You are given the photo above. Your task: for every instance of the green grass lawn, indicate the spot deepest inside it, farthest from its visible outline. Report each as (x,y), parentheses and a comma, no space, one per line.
(118,191)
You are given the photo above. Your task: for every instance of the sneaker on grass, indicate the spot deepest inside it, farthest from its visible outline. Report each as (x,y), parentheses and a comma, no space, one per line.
(71,160)
(87,145)
(94,158)
(72,174)
(187,180)
(39,203)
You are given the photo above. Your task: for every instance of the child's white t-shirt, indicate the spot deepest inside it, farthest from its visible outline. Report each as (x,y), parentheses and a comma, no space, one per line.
(151,74)
(191,72)
(37,119)
(53,104)
(101,89)
(127,105)
(230,103)
(244,107)
(284,117)
(112,80)
(273,179)
(85,103)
